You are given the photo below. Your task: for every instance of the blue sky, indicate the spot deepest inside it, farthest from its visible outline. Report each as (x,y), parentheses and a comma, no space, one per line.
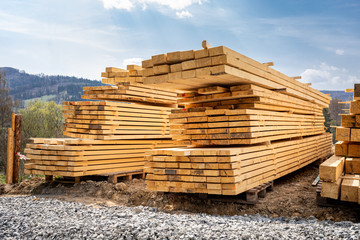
(319,40)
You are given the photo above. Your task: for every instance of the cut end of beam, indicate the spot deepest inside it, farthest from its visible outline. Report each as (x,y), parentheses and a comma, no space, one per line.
(349,90)
(269,64)
(205,44)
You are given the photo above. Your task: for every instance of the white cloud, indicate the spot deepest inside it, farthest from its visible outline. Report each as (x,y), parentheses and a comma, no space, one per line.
(327,77)
(131,61)
(339,52)
(174,5)
(129,4)
(119,4)
(183,14)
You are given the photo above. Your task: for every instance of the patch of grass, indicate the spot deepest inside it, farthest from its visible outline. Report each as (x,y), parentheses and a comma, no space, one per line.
(2,179)
(45,98)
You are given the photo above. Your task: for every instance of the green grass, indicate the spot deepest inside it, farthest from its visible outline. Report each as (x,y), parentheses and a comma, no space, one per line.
(45,98)
(2,179)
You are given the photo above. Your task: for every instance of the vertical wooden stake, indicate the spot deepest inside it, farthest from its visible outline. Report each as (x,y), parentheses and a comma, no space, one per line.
(17,148)
(10,157)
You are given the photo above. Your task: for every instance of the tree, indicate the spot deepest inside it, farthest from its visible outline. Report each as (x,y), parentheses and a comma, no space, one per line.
(7,106)
(335,108)
(41,119)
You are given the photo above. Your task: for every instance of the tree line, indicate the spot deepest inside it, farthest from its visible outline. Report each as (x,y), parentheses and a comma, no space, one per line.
(40,119)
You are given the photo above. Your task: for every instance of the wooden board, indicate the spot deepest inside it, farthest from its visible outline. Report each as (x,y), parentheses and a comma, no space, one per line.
(348,121)
(341,148)
(331,189)
(355,107)
(352,165)
(343,134)
(349,188)
(331,169)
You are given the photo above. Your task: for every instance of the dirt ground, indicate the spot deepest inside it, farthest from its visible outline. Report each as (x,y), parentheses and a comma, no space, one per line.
(293,196)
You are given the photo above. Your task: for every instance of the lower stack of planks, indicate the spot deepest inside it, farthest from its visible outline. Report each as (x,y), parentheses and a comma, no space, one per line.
(341,173)
(73,157)
(231,170)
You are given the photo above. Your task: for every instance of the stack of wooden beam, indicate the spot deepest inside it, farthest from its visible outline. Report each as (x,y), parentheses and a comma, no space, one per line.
(243,114)
(341,173)
(247,123)
(131,92)
(133,74)
(230,170)
(79,157)
(107,136)
(221,66)
(105,120)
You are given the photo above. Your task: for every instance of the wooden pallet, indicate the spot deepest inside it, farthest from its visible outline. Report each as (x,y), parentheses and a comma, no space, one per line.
(113,177)
(249,197)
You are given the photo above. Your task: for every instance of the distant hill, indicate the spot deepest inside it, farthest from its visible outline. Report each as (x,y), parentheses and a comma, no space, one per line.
(25,87)
(342,95)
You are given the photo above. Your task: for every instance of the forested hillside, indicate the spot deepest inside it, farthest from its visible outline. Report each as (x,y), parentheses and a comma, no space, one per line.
(341,95)
(24,86)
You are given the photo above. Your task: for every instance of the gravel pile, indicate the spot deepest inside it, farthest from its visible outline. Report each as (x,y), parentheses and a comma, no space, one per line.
(39,218)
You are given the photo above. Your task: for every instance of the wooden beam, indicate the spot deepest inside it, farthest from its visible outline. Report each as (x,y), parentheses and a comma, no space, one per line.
(297,77)
(331,169)
(269,64)
(205,44)
(10,156)
(349,90)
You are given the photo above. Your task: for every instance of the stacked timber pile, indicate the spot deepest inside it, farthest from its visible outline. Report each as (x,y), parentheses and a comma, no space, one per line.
(133,74)
(131,92)
(74,157)
(244,123)
(341,173)
(107,120)
(109,135)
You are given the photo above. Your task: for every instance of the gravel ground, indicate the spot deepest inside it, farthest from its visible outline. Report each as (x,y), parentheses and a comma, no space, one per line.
(30,217)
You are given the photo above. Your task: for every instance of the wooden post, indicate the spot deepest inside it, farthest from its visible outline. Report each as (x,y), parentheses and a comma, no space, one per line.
(10,157)
(17,148)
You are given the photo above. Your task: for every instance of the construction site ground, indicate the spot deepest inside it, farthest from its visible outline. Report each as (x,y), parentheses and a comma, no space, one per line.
(293,196)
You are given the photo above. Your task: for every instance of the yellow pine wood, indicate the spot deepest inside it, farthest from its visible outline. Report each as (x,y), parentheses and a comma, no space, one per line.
(113,137)
(349,188)
(331,189)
